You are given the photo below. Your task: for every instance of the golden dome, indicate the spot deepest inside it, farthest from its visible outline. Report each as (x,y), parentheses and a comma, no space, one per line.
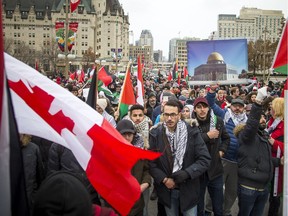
(215,56)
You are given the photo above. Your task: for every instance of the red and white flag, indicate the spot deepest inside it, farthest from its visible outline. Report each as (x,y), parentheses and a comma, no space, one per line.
(47,110)
(74,4)
(140,86)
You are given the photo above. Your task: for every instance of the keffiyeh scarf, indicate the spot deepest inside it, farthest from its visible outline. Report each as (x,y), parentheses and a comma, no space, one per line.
(178,143)
(237,119)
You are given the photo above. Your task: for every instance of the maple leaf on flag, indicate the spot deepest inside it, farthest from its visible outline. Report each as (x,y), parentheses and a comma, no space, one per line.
(55,114)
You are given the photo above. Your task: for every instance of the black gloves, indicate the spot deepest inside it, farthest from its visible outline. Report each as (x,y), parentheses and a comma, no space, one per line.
(180,176)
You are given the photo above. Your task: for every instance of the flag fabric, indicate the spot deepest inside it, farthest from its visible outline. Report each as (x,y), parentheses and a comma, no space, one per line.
(13,200)
(80,75)
(55,114)
(105,90)
(285,169)
(92,94)
(105,76)
(280,61)
(74,4)
(185,74)
(285,88)
(175,70)
(127,96)
(140,86)
(169,76)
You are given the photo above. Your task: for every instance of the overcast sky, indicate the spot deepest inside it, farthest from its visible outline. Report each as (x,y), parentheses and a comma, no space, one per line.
(167,19)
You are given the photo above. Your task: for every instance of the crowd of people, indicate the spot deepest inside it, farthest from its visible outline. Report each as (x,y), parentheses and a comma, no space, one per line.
(218,143)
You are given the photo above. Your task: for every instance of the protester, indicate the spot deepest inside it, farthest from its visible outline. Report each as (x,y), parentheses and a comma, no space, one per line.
(275,128)
(184,152)
(255,162)
(100,108)
(33,167)
(62,193)
(217,140)
(232,116)
(141,170)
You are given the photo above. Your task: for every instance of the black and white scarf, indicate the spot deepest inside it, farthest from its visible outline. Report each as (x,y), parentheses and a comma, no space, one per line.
(237,119)
(178,142)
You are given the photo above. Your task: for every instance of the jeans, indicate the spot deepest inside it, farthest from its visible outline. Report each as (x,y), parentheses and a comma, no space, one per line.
(174,210)
(230,179)
(215,189)
(251,202)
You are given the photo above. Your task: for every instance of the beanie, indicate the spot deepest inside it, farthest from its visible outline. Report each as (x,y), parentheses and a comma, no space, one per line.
(102,103)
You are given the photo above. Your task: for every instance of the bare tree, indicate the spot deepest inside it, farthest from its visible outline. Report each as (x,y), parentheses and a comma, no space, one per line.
(88,59)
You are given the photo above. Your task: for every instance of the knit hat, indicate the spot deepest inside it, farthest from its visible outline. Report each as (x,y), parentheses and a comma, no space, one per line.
(152,94)
(125,126)
(102,102)
(62,193)
(200,100)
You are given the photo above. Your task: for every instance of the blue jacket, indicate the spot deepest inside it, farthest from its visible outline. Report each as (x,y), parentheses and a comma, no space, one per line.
(232,151)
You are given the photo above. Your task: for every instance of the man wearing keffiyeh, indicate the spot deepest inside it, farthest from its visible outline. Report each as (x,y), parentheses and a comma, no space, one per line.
(184,158)
(217,140)
(232,116)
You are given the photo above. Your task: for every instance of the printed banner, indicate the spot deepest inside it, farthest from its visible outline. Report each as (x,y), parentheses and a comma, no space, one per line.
(217,59)
(60,35)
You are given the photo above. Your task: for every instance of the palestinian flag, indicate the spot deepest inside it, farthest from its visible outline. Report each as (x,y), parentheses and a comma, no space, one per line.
(105,76)
(127,96)
(186,74)
(280,60)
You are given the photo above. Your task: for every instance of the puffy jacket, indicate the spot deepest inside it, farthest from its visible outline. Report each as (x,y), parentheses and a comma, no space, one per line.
(232,150)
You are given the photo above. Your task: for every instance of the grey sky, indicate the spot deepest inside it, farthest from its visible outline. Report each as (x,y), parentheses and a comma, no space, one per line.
(168,19)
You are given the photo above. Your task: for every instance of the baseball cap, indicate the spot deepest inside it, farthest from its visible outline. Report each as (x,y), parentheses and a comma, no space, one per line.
(237,101)
(125,126)
(200,100)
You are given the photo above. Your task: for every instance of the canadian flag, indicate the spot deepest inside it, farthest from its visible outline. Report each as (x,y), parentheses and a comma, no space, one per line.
(74,4)
(47,110)
(140,87)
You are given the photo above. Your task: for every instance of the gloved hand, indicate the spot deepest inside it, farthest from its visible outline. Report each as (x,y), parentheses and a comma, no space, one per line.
(180,176)
(261,94)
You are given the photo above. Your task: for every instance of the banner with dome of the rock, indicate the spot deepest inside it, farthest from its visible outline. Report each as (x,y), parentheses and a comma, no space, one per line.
(60,35)
(217,60)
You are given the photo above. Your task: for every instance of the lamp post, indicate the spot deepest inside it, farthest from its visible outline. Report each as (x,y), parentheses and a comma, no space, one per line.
(66,39)
(116,50)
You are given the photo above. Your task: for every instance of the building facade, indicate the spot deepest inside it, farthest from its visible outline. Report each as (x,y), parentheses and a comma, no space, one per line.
(103,28)
(252,24)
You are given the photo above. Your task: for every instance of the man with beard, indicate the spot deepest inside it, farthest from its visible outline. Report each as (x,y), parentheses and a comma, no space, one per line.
(184,158)
(255,163)
(232,116)
(217,140)
(151,104)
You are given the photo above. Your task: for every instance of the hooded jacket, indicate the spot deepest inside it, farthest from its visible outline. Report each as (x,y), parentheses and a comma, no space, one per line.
(255,163)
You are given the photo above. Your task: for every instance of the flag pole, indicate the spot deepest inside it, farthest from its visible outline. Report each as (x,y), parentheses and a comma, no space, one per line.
(66,39)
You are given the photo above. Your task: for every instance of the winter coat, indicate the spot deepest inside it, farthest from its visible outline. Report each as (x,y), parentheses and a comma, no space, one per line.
(196,161)
(278,135)
(215,145)
(33,169)
(61,158)
(255,163)
(231,153)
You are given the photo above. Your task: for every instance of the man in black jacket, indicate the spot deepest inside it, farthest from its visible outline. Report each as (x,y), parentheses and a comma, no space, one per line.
(185,157)
(255,163)
(217,140)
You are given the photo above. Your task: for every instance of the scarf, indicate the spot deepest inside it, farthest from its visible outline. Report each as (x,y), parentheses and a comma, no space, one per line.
(273,125)
(143,129)
(213,120)
(237,119)
(178,142)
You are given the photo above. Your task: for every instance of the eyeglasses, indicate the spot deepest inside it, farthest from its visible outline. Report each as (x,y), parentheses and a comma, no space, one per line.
(172,115)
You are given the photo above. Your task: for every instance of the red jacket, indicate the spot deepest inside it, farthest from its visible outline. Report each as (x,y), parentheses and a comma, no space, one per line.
(278,135)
